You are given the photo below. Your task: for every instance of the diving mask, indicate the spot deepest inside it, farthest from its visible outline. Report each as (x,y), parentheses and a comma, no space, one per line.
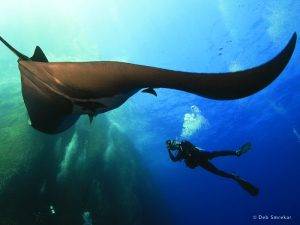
(173,145)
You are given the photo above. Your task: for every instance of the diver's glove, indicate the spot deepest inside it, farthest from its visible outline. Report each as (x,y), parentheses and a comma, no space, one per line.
(242,150)
(173,145)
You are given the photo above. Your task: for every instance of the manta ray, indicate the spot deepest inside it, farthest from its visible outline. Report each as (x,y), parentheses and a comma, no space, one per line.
(56,94)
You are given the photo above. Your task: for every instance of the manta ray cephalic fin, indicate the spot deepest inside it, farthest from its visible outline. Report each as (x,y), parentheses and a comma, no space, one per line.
(39,55)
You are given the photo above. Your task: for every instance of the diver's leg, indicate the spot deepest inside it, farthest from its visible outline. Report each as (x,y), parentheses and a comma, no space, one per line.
(242,150)
(215,154)
(244,184)
(211,168)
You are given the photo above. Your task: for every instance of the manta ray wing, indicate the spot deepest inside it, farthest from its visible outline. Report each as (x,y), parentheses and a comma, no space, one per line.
(219,86)
(56,94)
(99,79)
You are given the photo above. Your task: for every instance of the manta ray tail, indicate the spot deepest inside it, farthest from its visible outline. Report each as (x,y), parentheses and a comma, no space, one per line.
(225,86)
(38,55)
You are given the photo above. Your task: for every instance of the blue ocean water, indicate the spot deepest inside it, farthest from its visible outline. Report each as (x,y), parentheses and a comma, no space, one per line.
(194,35)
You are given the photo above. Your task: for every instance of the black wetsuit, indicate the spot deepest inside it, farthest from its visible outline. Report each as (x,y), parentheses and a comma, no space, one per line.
(195,157)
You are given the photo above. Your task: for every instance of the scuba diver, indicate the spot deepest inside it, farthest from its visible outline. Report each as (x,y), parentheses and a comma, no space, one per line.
(195,157)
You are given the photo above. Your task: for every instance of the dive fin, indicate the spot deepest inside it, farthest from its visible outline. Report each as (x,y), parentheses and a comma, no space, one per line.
(16,52)
(252,190)
(150,91)
(39,55)
(244,149)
